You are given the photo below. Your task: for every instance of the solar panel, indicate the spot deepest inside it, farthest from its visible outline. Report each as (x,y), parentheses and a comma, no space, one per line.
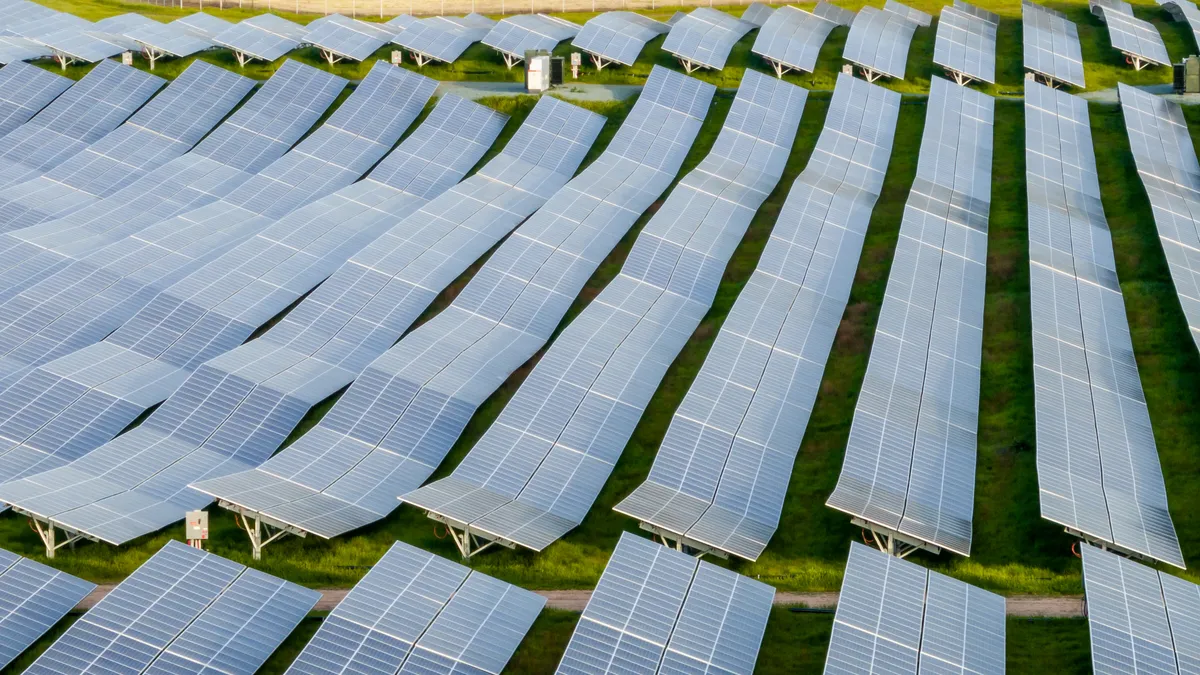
(1127,616)
(909,468)
(895,617)
(265,37)
(1137,39)
(1051,45)
(976,12)
(182,611)
(167,39)
(1098,470)
(966,46)
(704,38)
(515,35)
(33,598)
(17,49)
(80,116)
(1166,163)
(396,423)
(340,37)
(791,38)
(163,129)
(417,613)
(443,38)
(537,470)
(757,14)
(879,39)
(617,37)
(25,90)
(403,21)
(100,389)
(1184,10)
(656,610)
(720,476)
(215,423)
(202,24)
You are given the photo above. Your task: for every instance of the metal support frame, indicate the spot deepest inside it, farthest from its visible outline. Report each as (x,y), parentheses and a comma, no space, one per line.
(682,543)
(242,57)
(152,55)
(689,65)
(272,529)
(1110,547)
(64,59)
(45,530)
(600,61)
(420,59)
(892,542)
(870,74)
(1138,62)
(779,67)
(468,543)
(330,57)
(1045,79)
(960,78)
(511,60)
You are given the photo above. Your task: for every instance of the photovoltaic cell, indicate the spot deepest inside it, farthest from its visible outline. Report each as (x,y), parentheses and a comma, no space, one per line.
(704,37)
(879,38)
(340,37)
(417,613)
(757,14)
(182,611)
(515,35)
(909,465)
(617,37)
(25,90)
(1130,35)
(537,470)
(443,38)
(103,387)
(1051,45)
(895,617)
(791,38)
(266,37)
(163,129)
(966,45)
(1098,469)
(80,116)
(33,597)
(656,610)
(388,433)
(234,411)
(722,469)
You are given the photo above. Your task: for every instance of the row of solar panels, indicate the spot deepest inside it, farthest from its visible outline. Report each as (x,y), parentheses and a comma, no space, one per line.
(789,39)
(1051,41)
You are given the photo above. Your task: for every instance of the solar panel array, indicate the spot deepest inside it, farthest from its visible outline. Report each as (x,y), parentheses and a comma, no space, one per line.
(909,465)
(417,613)
(1098,469)
(389,432)
(70,405)
(656,610)
(879,39)
(163,129)
(1141,620)
(33,598)
(966,43)
(266,37)
(1051,45)
(617,37)
(16,49)
(791,38)
(25,90)
(234,411)
(1166,163)
(182,37)
(722,470)
(97,42)
(340,37)
(443,38)
(757,14)
(1183,10)
(255,135)
(82,303)
(895,617)
(704,38)
(537,470)
(1139,40)
(80,116)
(515,35)
(182,611)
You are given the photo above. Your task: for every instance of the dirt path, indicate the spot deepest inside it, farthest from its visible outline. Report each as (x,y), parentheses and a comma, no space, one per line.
(1059,607)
